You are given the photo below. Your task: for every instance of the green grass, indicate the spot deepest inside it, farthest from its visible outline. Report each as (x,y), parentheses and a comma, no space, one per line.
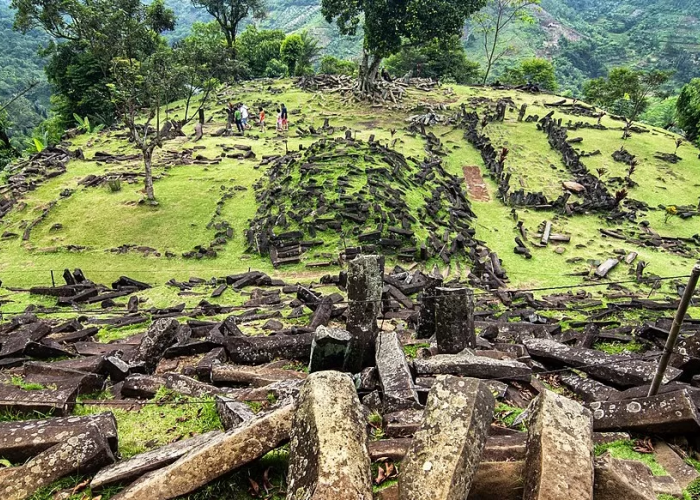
(624,449)
(411,350)
(67,484)
(171,418)
(619,347)
(18,381)
(506,415)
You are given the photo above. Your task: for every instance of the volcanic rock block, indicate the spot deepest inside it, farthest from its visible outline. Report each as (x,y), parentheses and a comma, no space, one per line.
(446,450)
(328,456)
(454,319)
(672,463)
(622,479)
(258,350)
(330,349)
(498,481)
(232,413)
(86,452)
(587,389)
(466,364)
(669,413)
(127,471)
(620,371)
(559,462)
(220,455)
(365,284)
(394,374)
(160,335)
(22,440)
(46,401)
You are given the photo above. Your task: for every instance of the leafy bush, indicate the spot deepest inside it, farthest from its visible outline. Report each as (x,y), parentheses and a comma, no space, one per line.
(333,66)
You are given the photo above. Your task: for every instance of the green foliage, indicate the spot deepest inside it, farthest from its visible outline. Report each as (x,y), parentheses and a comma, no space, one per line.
(260,50)
(491,24)
(624,449)
(203,56)
(660,112)
(625,91)
(229,14)
(692,492)
(275,69)
(298,52)
(58,489)
(619,347)
(18,381)
(438,59)
(506,414)
(688,109)
(331,65)
(536,71)
(411,350)
(85,126)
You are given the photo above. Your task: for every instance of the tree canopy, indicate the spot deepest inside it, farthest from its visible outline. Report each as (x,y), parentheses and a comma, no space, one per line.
(230,13)
(535,71)
(389,25)
(688,109)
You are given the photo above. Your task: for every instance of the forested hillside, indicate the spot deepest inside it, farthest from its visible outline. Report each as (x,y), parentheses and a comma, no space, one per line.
(584,38)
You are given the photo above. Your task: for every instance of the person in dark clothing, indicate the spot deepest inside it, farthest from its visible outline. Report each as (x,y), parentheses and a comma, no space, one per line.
(285,117)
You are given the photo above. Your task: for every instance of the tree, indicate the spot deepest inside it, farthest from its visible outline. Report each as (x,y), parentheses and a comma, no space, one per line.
(205,49)
(535,71)
(390,25)
(492,23)
(230,13)
(290,52)
(257,48)
(625,91)
(445,60)
(331,65)
(688,109)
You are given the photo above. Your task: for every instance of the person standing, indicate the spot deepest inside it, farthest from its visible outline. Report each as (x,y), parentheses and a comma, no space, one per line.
(279,120)
(239,119)
(285,117)
(244,116)
(262,119)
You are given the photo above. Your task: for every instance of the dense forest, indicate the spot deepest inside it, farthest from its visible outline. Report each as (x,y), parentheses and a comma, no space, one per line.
(583,39)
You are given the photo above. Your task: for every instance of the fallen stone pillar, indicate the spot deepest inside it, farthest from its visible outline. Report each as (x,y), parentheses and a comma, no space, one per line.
(669,413)
(395,377)
(559,460)
(365,284)
(22,440)
(86,452)
(468,365)
(454,319)
(622,480)
(159,336)
(232,413)
(620,371)
(127,471)
(220,455)
(329,458)
(446,450)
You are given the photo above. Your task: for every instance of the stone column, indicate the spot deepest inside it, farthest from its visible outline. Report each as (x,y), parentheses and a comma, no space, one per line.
(454,319)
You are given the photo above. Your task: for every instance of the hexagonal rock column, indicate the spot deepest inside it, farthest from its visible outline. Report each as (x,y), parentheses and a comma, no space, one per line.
(559,461)
(159,336)
(329,457)
(445,452)
(329,349)
(454,319)
(365,284)
(397,383)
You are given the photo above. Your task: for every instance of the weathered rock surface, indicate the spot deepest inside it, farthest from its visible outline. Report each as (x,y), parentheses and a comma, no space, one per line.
(587,389)
(24,439)
(620,371)
(446,450)
(86,452)
(329,458)
(258,350)
(672,463)
(468,365)
(670,413)
(559,462)
(131,469)
(232,413)
(46,401)
(622,479)
(330,349)
(394,375)
(454,319)
(365,284)
(220,455)
(498,481)
(159,336)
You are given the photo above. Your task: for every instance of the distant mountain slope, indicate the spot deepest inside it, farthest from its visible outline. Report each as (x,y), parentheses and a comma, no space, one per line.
(583,37)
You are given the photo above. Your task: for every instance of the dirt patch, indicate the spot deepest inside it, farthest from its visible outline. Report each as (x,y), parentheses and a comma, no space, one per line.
(475,184)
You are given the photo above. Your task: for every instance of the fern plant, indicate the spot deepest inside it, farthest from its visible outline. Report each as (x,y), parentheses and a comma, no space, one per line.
(85,126)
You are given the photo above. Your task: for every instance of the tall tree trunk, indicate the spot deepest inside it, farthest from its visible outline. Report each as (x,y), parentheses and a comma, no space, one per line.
(368,72)
(147,161)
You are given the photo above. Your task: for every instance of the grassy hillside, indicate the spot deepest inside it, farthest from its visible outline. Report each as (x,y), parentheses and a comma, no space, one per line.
(87,228)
